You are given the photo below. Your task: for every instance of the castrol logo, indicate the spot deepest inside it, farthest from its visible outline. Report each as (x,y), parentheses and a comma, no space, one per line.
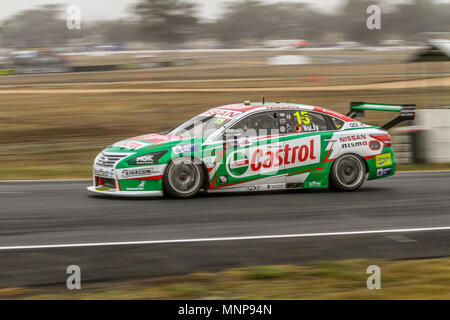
(267,159)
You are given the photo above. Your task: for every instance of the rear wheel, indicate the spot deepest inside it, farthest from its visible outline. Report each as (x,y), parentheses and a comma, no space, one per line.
(183,178)
(347,173)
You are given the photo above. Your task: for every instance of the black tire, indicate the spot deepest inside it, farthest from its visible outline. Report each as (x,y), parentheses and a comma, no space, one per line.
(347,173)
(183,178)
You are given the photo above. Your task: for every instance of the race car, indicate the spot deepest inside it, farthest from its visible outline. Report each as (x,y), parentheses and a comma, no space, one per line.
(252,147)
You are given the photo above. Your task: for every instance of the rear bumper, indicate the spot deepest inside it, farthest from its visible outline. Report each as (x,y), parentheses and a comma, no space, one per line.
(114,192)
(378,170)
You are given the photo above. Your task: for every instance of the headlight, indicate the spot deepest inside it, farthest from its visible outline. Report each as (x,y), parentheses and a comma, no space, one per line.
(145,159)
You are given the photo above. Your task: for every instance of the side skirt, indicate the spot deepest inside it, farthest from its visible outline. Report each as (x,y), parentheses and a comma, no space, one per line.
(257,188)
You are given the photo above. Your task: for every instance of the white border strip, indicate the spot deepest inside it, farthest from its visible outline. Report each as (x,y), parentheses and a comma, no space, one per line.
(50,180)
(281,236)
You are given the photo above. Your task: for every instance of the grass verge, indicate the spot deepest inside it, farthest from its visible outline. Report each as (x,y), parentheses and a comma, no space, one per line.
(409,279)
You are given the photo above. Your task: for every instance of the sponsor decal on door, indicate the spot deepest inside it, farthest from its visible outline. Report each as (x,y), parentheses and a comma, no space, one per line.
(269,159)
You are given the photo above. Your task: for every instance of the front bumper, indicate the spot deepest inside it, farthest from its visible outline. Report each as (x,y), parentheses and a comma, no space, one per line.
(142,181)
(115,192)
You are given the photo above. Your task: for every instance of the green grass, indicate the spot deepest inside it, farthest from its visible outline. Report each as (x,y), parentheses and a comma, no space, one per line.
(409,279)
(268,272)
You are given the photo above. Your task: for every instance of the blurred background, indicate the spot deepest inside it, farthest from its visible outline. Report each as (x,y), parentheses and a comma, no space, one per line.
(77,76)
(73,80)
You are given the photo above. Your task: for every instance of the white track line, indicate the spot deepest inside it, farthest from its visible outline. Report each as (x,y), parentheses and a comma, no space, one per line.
(421,171)
(281,236)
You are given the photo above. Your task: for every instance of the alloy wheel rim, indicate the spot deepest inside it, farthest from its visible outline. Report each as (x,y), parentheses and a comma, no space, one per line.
(349,171)
(184,176)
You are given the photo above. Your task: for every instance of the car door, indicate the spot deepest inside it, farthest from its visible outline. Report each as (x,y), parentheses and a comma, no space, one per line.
(252,154)
(307,135)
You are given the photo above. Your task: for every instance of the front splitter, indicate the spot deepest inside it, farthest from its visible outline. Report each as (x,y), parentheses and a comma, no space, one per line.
(115,193)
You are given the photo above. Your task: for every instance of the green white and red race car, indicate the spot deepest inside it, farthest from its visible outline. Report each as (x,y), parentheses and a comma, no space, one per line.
(252,147)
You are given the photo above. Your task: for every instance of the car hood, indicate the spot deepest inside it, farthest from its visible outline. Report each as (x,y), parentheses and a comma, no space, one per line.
(141,143)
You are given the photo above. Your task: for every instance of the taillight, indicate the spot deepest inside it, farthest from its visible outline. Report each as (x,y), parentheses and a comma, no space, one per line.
(385,138)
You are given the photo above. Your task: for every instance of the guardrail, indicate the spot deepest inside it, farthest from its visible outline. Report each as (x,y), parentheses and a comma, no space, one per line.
(427,141)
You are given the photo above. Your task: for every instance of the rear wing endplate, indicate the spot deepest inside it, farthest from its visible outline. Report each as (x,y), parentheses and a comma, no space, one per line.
(407,111)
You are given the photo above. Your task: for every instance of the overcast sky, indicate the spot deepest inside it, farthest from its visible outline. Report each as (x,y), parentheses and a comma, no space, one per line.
(111,9)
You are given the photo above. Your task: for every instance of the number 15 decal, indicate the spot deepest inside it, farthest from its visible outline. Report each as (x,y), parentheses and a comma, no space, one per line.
(303,117)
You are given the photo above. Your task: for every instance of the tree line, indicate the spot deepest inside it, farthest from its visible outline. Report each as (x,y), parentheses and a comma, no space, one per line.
(173,22)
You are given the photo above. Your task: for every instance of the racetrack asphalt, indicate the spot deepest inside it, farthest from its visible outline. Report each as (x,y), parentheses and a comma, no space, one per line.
(46,213)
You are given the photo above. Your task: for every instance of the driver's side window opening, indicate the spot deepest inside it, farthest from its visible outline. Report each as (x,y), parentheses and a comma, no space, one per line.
(302,121)
(260,124)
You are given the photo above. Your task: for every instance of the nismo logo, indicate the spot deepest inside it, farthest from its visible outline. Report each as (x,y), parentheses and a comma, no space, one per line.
(353,138)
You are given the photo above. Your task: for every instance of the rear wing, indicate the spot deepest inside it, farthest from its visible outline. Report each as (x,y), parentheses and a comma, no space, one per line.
(407,111)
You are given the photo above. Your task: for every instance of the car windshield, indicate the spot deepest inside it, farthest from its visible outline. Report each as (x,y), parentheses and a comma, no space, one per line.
(199,126)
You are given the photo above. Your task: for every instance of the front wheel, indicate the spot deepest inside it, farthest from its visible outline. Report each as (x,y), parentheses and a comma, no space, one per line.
(347,173)
(183,178)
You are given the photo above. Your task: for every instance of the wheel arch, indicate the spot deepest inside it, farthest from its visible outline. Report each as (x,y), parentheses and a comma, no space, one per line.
(366,165)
